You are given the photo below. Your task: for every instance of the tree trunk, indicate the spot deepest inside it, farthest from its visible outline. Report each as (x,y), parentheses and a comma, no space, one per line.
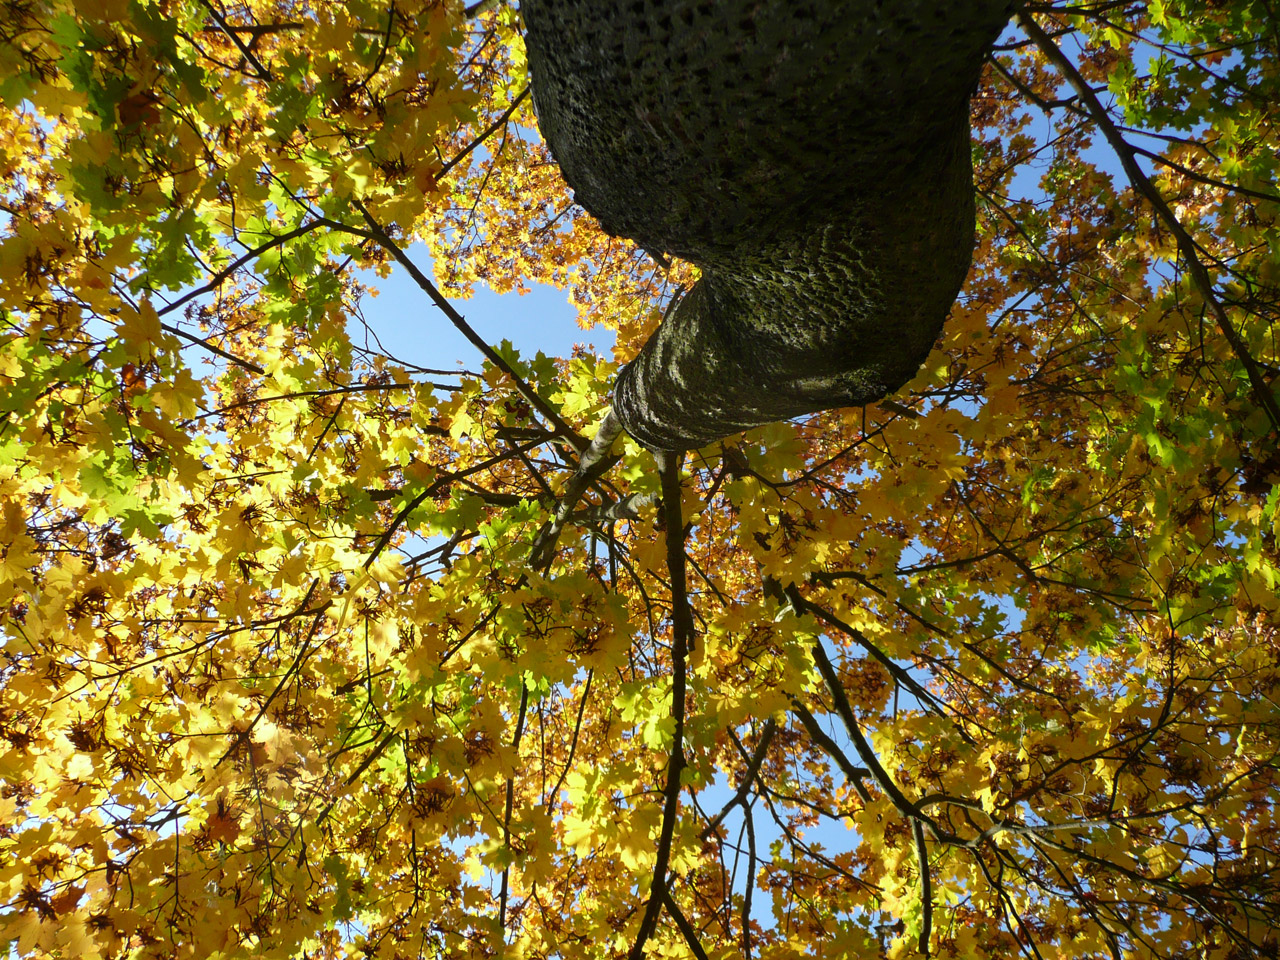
(812,158)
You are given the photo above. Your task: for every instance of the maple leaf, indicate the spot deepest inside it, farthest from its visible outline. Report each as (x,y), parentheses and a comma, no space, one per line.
(223,827)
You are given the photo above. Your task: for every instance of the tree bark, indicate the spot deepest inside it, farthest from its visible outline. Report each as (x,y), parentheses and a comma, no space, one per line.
(812,158)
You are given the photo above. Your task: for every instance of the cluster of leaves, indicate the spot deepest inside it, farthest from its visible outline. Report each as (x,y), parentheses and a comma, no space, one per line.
(296,660)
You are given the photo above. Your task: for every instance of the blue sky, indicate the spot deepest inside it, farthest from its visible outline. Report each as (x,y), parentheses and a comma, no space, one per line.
(412,329)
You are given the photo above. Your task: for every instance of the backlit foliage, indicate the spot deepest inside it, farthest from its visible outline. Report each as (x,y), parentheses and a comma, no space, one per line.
(988,669)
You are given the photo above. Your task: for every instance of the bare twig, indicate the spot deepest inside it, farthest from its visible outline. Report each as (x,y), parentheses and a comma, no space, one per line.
(573,744)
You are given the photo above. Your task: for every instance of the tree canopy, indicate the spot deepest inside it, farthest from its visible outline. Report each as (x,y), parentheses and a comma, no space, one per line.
(313,651)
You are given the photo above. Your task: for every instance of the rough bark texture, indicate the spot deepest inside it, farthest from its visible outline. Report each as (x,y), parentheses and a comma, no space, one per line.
(811,157)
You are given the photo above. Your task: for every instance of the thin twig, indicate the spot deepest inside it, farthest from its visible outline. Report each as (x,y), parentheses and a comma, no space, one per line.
(878,773)
(485,134)
(573,744)
(213,348)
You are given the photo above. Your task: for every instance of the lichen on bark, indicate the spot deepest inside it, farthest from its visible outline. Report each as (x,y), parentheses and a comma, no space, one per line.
(812,158)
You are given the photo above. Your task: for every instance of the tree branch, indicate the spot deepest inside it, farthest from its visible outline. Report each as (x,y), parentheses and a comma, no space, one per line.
(234,37)
(683,925)
(428,491)
(681,640)
(284,680)
(377,234)
(753,767)
(592,462)
(218,278)
(485,134)
(832,749)
(1200,278)
(926,887)
(628,508)
(511,799)
(868,755)
(374,754)
(802,605)
(349,388)
(213,348)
